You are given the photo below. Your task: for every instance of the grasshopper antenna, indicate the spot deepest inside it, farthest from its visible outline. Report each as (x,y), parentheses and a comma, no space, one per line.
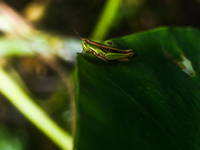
(77,33)
(80,38)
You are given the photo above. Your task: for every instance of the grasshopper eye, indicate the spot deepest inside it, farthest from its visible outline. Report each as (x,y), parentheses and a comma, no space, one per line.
(85,43)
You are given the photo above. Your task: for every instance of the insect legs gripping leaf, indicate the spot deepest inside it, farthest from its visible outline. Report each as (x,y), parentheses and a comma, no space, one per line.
(105,52)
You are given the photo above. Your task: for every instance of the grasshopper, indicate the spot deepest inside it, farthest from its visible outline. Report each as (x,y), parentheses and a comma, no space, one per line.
(105,52)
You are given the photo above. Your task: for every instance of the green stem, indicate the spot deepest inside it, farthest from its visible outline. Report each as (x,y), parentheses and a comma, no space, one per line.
(16,95)
(106,20)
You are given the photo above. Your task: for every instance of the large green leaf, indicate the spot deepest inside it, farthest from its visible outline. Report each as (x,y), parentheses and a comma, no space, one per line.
(153,102)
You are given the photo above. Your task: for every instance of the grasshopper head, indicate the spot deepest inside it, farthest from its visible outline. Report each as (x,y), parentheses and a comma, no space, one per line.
(84,40)
(84,43)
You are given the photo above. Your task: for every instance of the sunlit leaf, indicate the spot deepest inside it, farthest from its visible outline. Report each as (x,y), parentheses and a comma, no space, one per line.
(153,102)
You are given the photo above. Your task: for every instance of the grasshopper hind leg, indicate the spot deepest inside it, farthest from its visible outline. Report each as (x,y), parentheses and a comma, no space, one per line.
(102,58)
(124,60)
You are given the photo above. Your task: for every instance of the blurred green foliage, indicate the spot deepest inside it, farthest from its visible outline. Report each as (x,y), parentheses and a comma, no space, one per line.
(13,141)
(32,72)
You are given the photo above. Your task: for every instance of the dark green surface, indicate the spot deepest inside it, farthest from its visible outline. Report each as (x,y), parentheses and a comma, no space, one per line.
(149,103)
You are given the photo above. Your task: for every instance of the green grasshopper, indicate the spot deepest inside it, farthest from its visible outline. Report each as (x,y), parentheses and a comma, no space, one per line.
(105,52)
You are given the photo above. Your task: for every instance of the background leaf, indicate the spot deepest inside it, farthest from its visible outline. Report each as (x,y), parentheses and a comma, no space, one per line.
(150,103)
